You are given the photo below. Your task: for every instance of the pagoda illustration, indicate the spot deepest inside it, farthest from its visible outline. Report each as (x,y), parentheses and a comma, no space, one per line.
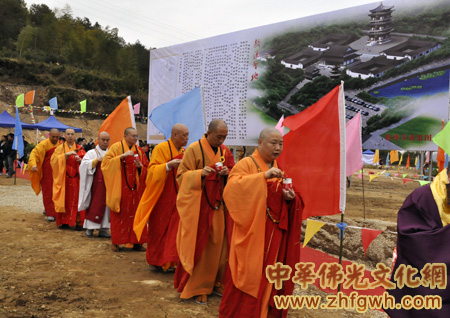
(380,25)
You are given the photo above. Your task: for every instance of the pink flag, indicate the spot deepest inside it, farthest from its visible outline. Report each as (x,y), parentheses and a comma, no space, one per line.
(280,126)
(353,145)
(137,108)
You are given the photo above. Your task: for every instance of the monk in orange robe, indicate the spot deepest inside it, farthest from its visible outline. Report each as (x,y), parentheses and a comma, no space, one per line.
(266,230)
(124,169)
(201,238)
(40,170)
(158,203)
(65,163)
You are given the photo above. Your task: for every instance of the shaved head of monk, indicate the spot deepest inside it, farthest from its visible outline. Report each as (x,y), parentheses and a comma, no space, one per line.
(217,132)
(103,140)
(180,135)
(131,136)
(69,134)
(270,144)
(54,135)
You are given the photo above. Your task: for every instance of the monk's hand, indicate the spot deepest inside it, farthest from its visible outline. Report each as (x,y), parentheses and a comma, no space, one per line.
(274,173)
(100,159)
(127,154)
(174,163)
(78,159)
(70,153)
(224,171)
(207,170)
(34,168)
(288,194)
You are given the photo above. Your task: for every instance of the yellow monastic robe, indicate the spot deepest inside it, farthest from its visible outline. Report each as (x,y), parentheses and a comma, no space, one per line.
(112,172)
(36,159)
(58,162)
(156,179)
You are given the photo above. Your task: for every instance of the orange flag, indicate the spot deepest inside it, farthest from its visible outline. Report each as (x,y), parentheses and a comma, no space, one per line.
(407,163)
(441,155)
(119,120)
(29,98)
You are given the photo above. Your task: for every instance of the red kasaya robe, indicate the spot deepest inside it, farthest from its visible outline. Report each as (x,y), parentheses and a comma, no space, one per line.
(66,185)
(257,240)
(124,187)
(96,210)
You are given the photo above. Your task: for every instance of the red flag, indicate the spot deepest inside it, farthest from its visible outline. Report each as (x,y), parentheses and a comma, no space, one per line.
(407,163)
(441,155)
(367,236)
(29,98)
(314,154)
(119,120)
(406,180)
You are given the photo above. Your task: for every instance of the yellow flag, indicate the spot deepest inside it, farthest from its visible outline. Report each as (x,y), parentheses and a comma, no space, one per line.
(312,227)
(376,157)
(400,162)
(372,176)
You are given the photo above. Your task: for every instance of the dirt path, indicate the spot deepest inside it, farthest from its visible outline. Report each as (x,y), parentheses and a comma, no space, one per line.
(48,272)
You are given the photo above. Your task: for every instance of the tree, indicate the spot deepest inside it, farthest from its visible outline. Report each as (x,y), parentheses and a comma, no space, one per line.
(13,14)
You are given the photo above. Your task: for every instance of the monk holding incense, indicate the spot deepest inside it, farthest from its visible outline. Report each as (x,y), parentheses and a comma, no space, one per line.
(266,230)
(158,203)
(201,239)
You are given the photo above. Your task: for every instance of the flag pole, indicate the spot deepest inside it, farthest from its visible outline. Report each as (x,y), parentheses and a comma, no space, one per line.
(364,198)
(341,245)
(15,167)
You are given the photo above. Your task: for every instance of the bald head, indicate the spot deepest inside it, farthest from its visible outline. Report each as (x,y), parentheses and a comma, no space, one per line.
(103,140)
(215,124)
(270,144)
(131,136)
(217,132)
(180,135)
(54,135)
(69,134)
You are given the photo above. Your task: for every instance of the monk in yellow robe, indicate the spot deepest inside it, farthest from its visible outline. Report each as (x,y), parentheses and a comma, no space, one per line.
(201,238)
(40,170)
(65,163)
(124,169)
(266,230)
(158,203)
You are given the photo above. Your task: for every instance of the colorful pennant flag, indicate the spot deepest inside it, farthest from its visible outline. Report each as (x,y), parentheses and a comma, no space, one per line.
(373,176)
(53,103)
(376,157)
(441,155)
(18,137)
(137,108)
(367,237)
(417,163)
(404,175)
(424,182)
(20,100)
(407,180)
(29,98)
(387,159)
(353,142)
(83,106)
(312,227)
(394,155)
(442,139)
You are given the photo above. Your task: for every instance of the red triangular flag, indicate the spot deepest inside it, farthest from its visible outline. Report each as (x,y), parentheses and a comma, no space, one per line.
(441,155)
(406,180)
(367,236)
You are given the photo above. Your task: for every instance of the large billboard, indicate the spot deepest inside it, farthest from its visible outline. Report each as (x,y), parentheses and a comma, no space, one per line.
(394,59)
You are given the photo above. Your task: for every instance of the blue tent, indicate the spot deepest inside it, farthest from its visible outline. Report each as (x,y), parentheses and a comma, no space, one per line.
(368,152)
(52,122)
(6,120)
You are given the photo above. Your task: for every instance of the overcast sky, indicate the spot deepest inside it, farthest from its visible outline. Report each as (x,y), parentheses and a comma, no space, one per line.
(160,23)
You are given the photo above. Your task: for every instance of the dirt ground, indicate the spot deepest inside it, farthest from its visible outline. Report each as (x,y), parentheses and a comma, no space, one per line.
(48,272)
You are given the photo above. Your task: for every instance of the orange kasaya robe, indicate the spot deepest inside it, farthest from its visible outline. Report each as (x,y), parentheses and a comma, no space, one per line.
(66,184)
(124,187)
(257,240)
(158,207)
(43,178)
(201,244)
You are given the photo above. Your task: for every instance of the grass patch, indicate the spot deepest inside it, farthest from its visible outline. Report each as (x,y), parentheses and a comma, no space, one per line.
(413,132)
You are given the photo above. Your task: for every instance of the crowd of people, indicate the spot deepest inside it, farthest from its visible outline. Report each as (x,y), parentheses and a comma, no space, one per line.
(213,223)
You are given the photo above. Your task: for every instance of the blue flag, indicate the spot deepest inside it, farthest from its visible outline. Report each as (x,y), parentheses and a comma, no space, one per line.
(53,103)
(387,160)
(18,139)
(186,109)
(418,163)
(446,161)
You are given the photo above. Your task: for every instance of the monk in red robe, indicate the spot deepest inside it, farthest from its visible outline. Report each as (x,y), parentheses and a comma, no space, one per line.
(158,203)
(201,240)
(266,230)
(124,168)
(40,171)
(65,163)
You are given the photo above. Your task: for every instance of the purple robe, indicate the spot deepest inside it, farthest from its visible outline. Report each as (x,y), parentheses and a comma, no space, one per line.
(421,239)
